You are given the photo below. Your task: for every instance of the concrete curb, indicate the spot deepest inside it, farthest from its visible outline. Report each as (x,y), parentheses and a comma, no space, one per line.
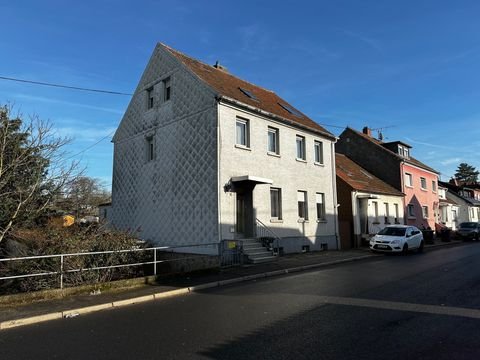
(167,294)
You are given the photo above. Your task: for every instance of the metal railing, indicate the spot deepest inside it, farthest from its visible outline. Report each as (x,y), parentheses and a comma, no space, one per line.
(231,253)
(61,265)
(267,236)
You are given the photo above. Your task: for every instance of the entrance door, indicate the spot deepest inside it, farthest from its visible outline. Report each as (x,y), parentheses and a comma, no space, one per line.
(240,226)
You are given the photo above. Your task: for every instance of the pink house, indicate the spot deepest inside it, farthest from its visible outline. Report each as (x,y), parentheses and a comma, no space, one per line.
(392,162)
(420,186)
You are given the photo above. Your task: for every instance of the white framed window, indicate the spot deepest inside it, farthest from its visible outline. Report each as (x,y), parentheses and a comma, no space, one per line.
(273,141)
(425,212)
(242,132)
(318,152)
(423,183)
(410,210)
(395,206)
(375,211)
(167,88)
(302,205)
(434,186)
(454,215)
(276,203)
(150,98)
(386,213)
(408,180)
(300,147)
(320,200)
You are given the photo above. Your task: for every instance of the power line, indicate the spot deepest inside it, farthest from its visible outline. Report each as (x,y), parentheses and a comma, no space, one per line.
(64,86)
(91,146)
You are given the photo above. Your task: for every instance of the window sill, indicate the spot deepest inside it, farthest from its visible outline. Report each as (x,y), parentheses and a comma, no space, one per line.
(243,147)
(302,220)
(409,186)
(276,221)
(301,160)
(273,154)
(322,221)
(319,164)
(424,189)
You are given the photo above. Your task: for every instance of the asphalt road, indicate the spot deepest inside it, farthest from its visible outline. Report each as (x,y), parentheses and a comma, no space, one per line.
(422,306)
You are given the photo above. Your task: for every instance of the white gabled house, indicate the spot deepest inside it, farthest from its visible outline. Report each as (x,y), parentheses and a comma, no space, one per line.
(201,156)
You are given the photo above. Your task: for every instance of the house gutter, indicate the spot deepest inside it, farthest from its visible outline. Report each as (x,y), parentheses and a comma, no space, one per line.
(227,99)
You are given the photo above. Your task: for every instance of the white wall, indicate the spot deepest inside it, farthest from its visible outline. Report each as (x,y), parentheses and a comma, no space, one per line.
(375,224)
(287,173)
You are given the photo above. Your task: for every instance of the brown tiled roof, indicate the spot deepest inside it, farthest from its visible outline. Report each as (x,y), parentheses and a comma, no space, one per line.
(360,179)
(229,86)
(411,160)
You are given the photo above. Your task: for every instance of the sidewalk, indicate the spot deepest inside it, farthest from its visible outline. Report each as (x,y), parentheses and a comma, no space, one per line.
(11,316)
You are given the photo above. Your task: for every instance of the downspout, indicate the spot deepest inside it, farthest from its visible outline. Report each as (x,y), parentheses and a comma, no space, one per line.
(335,200)
(219,188)
(402,172)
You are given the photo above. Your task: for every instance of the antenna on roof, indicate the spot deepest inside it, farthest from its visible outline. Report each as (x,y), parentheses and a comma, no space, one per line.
(220,67)
(380,131)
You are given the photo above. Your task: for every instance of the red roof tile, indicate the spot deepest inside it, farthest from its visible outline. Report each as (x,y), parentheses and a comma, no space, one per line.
(360,179)
(230,86)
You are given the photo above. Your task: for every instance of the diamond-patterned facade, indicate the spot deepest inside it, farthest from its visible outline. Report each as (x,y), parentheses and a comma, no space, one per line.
(171,199)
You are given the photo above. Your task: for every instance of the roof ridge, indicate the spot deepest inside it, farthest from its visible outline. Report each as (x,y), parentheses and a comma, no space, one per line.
(214,68)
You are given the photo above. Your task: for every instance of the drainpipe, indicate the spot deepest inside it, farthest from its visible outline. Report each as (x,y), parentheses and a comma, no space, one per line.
(219,194)
(334,186)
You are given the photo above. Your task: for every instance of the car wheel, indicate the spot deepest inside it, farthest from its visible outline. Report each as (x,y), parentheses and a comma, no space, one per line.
(420,248)
(405,249)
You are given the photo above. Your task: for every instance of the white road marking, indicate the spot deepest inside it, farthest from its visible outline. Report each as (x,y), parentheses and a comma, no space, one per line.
(401,306)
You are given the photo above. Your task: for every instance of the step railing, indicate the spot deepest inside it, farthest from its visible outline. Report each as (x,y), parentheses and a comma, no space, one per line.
(267,236)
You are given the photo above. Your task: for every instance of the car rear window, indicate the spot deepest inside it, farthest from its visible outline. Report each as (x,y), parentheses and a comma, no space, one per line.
(392,231)
(468,225)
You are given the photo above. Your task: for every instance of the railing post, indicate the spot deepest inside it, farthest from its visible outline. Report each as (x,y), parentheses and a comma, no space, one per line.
(155,261)
(61,271)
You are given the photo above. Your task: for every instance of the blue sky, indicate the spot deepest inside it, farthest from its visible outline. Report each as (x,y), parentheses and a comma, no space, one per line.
(410,67)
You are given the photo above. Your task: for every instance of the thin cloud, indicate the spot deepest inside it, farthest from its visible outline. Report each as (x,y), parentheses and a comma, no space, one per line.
(63,102)
(450,161)
(371,42)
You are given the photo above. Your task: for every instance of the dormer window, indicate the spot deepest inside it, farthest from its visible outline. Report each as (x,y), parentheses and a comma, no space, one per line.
(403,151)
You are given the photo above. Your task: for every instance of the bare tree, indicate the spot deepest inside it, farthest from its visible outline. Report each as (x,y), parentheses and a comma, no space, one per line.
(32,168)
(83,195)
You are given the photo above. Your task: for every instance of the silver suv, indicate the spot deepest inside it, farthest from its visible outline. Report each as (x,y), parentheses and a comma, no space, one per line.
(469,230)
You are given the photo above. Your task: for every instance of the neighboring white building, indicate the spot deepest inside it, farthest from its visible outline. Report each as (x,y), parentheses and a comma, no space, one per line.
(201,156)
(468,206)
(367,204)
(448,209)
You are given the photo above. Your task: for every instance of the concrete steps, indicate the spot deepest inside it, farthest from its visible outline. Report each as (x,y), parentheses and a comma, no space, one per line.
(256,252)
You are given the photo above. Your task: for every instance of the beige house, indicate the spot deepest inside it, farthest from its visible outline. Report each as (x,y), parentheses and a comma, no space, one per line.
(202,156)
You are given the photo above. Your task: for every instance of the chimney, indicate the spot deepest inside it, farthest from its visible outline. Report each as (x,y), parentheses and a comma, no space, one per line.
(220,67)
(367,131)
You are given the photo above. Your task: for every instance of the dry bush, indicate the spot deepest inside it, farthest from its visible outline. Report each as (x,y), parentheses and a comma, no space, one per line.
(53,240)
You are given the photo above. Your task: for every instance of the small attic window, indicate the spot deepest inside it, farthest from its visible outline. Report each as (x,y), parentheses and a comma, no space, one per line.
(248,93)
(290,110)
